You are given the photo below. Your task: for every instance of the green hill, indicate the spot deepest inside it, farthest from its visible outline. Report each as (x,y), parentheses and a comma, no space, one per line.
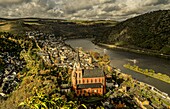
(150,31)
(65,28)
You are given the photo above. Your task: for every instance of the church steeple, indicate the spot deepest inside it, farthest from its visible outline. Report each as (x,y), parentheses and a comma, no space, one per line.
(77,57)
(77,64)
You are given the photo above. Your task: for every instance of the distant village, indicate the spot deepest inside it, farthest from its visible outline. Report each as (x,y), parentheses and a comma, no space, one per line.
(87,77)
(55,51)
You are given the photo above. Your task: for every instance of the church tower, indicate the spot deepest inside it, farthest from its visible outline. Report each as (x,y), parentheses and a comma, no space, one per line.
(77,72)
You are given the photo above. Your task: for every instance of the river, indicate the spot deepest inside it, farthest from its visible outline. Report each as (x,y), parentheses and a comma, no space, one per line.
(119,58)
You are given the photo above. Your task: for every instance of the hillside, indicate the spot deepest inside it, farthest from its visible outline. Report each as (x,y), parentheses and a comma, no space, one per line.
(150,31)
(65,28)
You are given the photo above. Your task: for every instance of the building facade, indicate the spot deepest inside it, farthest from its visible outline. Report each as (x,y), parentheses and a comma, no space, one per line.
(88,82)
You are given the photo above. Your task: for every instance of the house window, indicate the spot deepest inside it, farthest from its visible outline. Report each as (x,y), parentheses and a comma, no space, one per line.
(92,91)
(87,80)
(95,80)
(83,81)
(79,81)
(99,81)
(84,91)
(91,80)
(79,75)
(77,91)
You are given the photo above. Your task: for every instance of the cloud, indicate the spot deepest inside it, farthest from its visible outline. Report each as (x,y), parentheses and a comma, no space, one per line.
(11,2)
(80,9)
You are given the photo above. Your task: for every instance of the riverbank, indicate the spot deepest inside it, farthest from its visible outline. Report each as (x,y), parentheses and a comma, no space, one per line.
(141,92)
(146,52)
(150,72)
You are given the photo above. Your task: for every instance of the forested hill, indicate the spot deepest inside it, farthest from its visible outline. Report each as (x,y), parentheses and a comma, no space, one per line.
(147,31)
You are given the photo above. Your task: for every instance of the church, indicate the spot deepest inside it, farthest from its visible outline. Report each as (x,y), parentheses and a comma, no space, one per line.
(87,82)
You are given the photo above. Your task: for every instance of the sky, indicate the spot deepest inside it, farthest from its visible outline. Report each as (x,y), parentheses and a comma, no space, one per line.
(80,9)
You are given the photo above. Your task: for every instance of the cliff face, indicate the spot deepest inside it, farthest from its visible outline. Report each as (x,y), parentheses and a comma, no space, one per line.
(148,31)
